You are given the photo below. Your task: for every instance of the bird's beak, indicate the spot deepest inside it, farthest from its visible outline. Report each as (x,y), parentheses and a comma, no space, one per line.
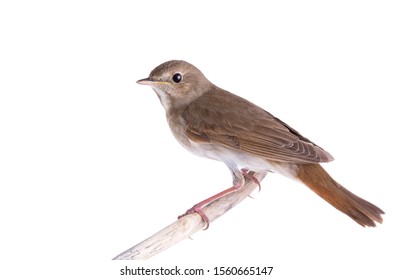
(146,81)
(150,82)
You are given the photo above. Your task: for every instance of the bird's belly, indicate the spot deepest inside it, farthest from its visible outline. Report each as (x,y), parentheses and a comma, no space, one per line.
(231,157)
(241,159)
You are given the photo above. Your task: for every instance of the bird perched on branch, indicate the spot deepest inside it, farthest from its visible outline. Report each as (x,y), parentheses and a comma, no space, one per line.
(214,123)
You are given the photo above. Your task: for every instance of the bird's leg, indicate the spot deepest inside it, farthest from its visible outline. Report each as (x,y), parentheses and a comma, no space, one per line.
(197,208)
(238,182)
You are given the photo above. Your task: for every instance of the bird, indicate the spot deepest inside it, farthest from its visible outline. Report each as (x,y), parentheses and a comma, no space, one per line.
(211,122)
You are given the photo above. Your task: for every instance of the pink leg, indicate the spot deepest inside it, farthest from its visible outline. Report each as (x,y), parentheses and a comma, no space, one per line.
(197,208)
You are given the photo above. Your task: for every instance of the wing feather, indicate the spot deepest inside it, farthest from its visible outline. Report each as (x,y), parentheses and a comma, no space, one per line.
(219,117)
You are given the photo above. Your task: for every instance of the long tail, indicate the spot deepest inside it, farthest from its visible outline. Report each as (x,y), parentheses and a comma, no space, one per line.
(360,210)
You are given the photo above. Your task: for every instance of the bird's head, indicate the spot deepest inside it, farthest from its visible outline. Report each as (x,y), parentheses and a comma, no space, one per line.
(177,83)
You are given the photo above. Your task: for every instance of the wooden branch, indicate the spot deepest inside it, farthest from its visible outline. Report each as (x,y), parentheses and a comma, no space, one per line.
(188,224)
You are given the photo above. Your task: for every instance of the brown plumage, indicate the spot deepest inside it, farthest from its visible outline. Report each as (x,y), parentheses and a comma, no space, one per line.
(360,210)
(214,123)
(221,117)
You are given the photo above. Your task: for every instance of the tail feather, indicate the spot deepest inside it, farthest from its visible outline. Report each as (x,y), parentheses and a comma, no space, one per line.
(318,180)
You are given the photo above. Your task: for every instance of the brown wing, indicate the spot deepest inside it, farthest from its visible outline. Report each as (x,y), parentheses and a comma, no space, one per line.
(223,118)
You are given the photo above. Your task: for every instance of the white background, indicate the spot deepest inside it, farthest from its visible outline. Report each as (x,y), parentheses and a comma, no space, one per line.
(88,166)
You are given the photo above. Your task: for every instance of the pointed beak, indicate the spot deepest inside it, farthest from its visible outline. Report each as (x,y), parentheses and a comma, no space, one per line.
(146,81)
(151,82)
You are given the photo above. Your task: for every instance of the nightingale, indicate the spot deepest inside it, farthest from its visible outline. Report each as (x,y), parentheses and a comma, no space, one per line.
(214,123)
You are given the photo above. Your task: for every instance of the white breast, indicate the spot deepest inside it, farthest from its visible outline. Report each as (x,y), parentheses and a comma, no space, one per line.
(241,159)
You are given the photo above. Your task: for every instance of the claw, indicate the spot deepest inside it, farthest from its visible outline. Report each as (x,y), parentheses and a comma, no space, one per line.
(246,174)
(197,209)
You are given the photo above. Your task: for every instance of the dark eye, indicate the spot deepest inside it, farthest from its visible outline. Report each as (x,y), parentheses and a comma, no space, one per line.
(177,77)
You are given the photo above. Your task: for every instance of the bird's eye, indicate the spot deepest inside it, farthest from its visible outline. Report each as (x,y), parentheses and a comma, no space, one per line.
(177,77)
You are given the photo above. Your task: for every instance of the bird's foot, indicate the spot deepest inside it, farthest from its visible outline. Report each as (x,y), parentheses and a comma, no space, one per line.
(247,174)
(197,208)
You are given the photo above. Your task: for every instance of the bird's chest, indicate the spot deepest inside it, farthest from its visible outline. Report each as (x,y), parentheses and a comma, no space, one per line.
(178,126)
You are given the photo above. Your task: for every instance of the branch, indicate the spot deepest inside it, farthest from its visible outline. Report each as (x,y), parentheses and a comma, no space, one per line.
(188,224)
